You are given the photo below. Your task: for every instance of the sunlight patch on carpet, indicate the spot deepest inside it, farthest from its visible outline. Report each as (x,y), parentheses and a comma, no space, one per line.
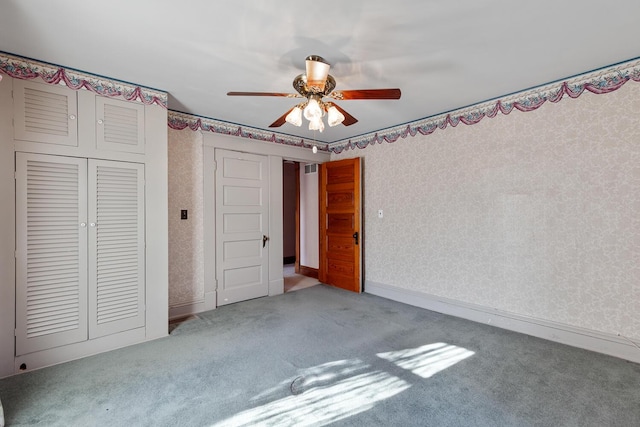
(322,401)
(337,390)
(427,360)
(320,375)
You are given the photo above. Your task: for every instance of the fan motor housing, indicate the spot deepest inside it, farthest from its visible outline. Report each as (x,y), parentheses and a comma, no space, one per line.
(300,85)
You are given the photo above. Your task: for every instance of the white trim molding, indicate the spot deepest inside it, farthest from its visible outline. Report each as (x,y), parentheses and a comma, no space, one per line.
(610,344)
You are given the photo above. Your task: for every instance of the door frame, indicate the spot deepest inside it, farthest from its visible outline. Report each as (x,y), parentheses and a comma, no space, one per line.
(297,237)
(300,268)
(276,153)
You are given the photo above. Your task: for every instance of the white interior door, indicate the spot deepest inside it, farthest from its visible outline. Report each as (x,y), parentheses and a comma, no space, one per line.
(242,226)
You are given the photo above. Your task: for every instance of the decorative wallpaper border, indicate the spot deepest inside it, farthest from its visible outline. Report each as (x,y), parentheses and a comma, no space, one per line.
(27,69)
(179,121)
(602,81)
(599,82)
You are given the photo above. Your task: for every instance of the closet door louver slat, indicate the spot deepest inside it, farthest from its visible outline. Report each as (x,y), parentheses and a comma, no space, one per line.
(116,268)
(45,113)
(51,280)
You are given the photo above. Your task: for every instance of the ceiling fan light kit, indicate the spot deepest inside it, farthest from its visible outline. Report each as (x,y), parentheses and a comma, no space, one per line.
(334,117)
(314,85)
(316,124)
(313,111)
(295,116)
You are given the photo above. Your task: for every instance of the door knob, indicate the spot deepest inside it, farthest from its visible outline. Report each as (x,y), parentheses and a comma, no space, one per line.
(264,240)
(355,236)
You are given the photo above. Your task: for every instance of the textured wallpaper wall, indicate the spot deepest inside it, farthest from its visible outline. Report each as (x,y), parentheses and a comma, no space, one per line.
(186,240)
(534,213)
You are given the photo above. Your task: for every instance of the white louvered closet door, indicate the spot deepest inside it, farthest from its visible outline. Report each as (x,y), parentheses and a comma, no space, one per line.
(51,241)
(116,247)
(45,113)
(120,125)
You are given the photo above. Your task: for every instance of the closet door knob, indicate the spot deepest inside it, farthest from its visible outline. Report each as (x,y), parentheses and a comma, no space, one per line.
(100,121)
(93,224)
(83,224)
(72,117)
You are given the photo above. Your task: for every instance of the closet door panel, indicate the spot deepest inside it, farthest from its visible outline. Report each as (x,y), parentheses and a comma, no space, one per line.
(51,241)
(120,125)
(116,247)
(45,113)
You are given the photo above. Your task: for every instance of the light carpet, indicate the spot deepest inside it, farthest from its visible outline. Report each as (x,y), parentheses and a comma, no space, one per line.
(323,356)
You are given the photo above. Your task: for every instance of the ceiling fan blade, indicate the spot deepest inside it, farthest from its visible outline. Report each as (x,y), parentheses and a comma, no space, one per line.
(366,94)
(348,118)
(286,95)
(280,120)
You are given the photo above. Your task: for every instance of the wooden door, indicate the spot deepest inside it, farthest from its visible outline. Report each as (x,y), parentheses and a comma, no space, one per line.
(340,233)
(242,224)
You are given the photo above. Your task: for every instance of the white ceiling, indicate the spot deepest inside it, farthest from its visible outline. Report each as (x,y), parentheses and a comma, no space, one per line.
(442,54)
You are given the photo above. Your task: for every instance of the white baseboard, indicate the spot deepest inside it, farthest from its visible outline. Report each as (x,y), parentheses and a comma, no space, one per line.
(185,310)
(195,307)
(66,353)
(610,344)
(276,287)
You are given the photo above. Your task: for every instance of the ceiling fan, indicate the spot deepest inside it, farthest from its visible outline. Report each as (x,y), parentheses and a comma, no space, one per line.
(315,85)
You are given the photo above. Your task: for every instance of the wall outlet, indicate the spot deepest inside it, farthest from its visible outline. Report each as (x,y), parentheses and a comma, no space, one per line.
(183,214)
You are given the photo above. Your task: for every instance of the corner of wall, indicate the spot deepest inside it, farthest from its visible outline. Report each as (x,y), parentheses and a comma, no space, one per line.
(7,230)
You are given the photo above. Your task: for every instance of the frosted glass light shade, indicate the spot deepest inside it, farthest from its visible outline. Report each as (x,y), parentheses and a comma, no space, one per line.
(312,110)
(334,116)
(316,124)
(295,116)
